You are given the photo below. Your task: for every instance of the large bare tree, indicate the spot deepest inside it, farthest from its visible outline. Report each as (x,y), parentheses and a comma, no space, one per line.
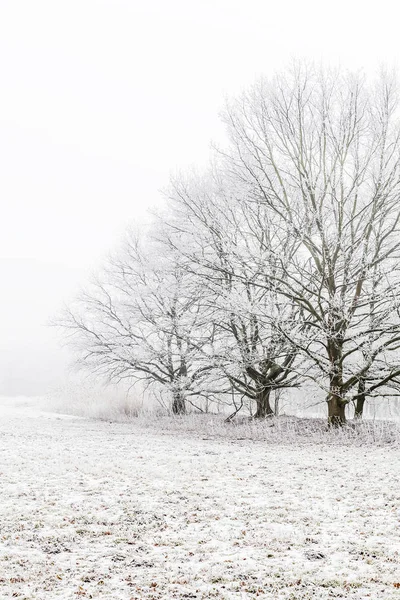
(319,150)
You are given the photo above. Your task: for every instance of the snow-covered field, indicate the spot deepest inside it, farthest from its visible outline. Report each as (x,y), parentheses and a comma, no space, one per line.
(125,511)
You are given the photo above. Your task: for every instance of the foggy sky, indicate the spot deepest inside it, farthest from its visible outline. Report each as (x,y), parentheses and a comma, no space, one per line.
(99,101)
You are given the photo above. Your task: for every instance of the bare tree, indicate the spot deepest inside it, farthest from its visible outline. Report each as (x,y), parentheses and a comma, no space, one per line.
(136,321)
(319,150)
(207,227)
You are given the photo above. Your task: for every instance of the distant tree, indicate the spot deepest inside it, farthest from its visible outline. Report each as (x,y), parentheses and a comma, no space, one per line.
(136,321)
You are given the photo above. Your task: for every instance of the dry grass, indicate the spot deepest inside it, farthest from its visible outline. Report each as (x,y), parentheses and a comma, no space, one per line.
(115,405)
(83,399)
(281,430)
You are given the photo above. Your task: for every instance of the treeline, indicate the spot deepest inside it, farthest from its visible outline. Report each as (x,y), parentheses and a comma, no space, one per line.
(276,267)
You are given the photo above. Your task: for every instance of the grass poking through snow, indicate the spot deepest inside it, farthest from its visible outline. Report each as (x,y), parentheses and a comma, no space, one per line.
(152,510)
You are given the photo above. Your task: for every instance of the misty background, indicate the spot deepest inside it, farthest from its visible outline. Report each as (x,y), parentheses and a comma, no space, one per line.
(99,101)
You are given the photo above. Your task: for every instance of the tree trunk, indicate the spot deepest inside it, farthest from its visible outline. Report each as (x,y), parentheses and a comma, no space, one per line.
(178,403)
(336,403)
(360,399)
(336,407)
(277,399)
(263,406)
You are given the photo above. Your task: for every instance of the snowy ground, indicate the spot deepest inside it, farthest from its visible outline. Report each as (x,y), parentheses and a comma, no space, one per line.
(115,510)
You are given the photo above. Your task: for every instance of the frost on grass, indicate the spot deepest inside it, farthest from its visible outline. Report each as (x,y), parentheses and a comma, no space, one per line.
(120,511)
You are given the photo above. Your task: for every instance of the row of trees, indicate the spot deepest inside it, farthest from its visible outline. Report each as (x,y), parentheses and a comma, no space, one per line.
(278,267)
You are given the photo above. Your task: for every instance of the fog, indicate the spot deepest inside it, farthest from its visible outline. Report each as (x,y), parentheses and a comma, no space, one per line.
(99,102)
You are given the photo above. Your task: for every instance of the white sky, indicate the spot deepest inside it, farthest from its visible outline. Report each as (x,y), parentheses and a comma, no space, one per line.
(99,101)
